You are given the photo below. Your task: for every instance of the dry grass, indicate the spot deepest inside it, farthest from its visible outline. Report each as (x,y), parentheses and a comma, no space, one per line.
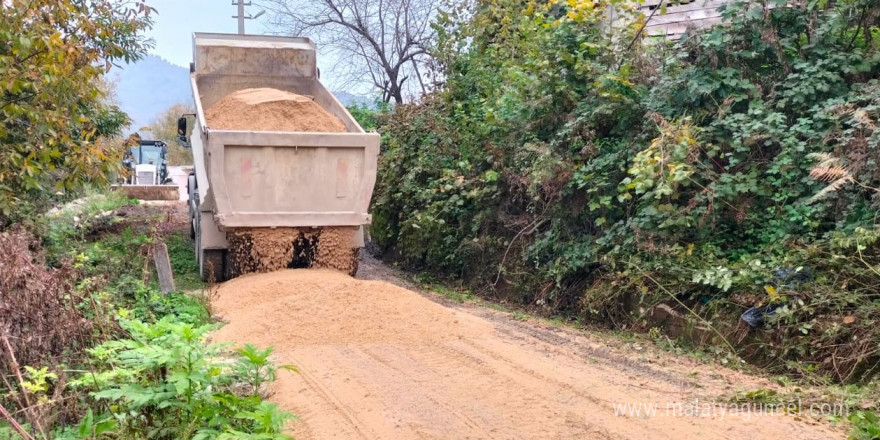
(38,314)
(40,323)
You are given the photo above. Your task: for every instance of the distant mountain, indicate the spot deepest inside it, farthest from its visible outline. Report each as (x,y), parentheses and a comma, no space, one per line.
(150,86)
(349,99)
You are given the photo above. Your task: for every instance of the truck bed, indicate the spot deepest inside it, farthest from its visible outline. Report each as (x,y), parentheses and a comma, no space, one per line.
(276,179)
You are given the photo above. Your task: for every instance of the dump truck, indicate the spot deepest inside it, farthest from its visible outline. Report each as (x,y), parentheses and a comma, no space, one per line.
(266,200)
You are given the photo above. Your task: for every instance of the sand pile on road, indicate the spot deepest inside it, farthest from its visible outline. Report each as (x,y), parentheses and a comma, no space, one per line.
(296,307)
(266,109)
(380,362)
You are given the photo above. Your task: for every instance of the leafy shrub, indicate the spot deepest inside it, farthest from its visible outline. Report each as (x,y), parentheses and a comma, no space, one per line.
(100,246)
(367,116)
(152,305)
(571,168)
(164,382)
(865,425)
(52,97)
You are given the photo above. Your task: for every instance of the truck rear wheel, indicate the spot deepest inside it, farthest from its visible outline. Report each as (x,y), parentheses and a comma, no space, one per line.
(214,268)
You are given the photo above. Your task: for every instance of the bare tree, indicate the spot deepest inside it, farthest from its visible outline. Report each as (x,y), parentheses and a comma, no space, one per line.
(379,42)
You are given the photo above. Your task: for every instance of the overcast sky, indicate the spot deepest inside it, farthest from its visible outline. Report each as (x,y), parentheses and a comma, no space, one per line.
(178,19)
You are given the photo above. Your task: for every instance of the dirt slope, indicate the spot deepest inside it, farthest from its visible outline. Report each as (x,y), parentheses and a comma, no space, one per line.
(378,361)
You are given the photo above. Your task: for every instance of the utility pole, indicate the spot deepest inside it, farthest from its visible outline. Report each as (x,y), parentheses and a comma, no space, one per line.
(241,16)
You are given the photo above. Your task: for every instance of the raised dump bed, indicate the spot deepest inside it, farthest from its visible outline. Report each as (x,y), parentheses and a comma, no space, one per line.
(287,187)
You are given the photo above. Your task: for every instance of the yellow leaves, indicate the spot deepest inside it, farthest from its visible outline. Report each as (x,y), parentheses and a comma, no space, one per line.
(772,293)
(578,11)
(638,22)
(55,40)
(581,5)
(667,163)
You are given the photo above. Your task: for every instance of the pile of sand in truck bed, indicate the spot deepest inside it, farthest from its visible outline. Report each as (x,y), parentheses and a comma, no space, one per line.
(266,109)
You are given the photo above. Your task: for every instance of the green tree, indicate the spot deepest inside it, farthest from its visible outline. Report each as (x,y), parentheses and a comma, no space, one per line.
(164,128)
(53,55)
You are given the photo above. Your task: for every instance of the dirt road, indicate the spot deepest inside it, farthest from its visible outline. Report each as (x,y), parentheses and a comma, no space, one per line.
(379,361)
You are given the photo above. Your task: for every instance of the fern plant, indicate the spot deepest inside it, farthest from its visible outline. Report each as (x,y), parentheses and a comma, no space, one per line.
(829,169)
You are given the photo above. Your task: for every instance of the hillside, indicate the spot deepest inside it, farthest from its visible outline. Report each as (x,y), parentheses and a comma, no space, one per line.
(148,87)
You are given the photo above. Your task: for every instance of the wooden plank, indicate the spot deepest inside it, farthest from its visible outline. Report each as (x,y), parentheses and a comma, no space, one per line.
(700,23)
(678,18)
(163,267)
(699,4)
(650,4)
(691,16)
(149,192)
(673,30)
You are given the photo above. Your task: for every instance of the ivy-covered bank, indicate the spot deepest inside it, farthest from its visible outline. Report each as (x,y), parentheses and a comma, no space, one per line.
(591,171)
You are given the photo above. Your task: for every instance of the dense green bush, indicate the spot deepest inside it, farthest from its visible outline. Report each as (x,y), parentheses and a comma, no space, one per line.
(165,382)
(368,115)
(580,169)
